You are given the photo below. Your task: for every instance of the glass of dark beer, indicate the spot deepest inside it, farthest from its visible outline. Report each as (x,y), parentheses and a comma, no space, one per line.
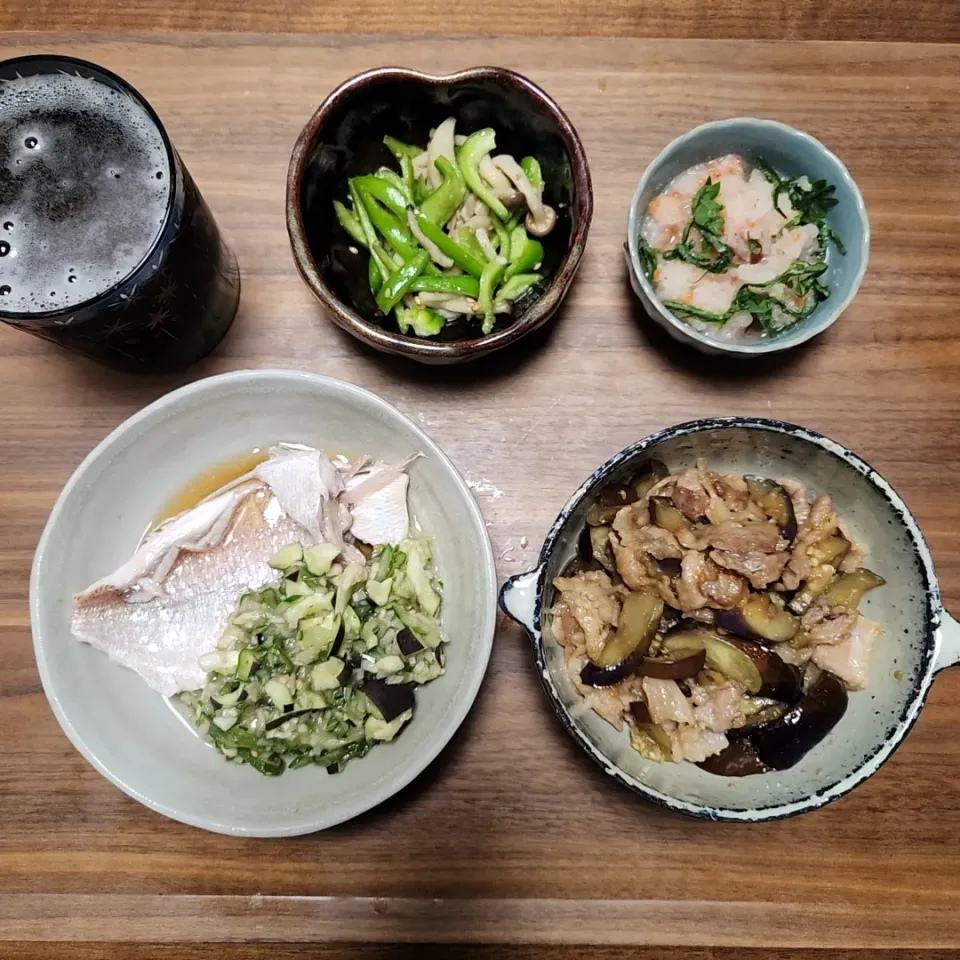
(106,246)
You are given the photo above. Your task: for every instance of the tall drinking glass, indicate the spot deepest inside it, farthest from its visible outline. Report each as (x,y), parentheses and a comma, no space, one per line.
(106,246)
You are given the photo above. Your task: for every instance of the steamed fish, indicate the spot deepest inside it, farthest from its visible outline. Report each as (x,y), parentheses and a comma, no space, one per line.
(165,608)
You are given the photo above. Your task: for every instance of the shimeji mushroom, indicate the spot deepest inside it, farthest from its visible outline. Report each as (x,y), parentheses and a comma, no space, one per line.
(500,182)
(541,218)
(436,254)
(441,145)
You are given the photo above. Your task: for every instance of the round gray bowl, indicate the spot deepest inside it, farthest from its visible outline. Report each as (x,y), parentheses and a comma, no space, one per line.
(791,153)
(919,638)
(135,737)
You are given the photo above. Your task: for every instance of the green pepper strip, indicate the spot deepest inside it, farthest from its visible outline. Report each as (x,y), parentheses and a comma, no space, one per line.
(400,149)
(395,180)
(350,223)
(388,193)
(385,262)
(421,190)
(503,236)
(406,170)
(460,286)
(397,234)
(492,273)
(531,167)
(525,253)
(442,204)
(468,240)
(476,146)
(374,276)
(396,287)
(424,321)
(462,257)
(363,218)
(517,286)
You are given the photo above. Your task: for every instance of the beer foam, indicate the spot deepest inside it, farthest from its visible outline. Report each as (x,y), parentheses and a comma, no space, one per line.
(84,185)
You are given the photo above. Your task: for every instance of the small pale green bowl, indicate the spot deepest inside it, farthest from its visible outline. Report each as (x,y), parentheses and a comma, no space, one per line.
(791,153)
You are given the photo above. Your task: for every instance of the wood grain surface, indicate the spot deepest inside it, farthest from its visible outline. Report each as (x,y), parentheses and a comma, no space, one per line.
(933,21)
(512,836)
(360,951)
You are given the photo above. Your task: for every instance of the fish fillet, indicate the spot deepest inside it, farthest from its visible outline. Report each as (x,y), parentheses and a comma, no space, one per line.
(163,639)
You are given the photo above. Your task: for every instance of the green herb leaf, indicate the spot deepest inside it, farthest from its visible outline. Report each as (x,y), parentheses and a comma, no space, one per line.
(713,254)
(812,203)
(648,258)
(707,213)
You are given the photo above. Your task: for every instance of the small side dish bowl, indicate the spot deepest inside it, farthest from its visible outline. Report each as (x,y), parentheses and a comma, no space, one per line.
(791,153)
(919,638)
(344,138)
(138,739)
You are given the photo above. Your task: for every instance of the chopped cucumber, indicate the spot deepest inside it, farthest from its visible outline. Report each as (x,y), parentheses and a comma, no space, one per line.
(229,699)
(247,664)
(307,607)
(379,593)
(418,556)
(296,588)
(377,729)
(326,675)
(278,692)
(388,666)
(287,557)
(311,700)
(319,558)
(351,624)
(318,634)
(350,578)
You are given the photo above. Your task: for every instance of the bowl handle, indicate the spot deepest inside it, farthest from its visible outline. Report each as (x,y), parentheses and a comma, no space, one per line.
(518,599)
(949,643)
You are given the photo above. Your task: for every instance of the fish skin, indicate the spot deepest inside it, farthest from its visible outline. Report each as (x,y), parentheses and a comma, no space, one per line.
(197,529)
(297,481)
(382,517)
(163,640)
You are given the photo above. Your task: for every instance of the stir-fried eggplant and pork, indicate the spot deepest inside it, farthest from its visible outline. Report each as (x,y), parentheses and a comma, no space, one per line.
(717,615)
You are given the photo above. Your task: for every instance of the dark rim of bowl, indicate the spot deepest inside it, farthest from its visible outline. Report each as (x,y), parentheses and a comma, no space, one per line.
(392,342)
(914,699)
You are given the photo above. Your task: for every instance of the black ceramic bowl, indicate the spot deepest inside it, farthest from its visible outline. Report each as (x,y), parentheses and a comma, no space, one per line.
(344,138)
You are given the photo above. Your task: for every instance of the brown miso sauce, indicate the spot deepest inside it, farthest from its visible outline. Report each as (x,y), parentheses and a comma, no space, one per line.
(209,481)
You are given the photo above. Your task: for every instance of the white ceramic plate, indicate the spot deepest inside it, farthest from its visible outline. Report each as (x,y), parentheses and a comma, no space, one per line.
(133,736)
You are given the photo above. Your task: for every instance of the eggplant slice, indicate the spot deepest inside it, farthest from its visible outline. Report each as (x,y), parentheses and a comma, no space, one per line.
(648,476)
(738,759)
(775,503)
(760,618)
(639,620)
(785,742)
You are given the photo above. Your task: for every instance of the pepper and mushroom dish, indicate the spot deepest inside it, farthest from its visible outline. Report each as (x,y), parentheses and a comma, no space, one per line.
(452,235)
(717,616)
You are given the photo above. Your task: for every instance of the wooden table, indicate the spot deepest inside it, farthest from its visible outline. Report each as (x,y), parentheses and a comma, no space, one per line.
(512,842)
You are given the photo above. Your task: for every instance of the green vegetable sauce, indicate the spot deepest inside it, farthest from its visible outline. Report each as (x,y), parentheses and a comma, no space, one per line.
(305,663)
